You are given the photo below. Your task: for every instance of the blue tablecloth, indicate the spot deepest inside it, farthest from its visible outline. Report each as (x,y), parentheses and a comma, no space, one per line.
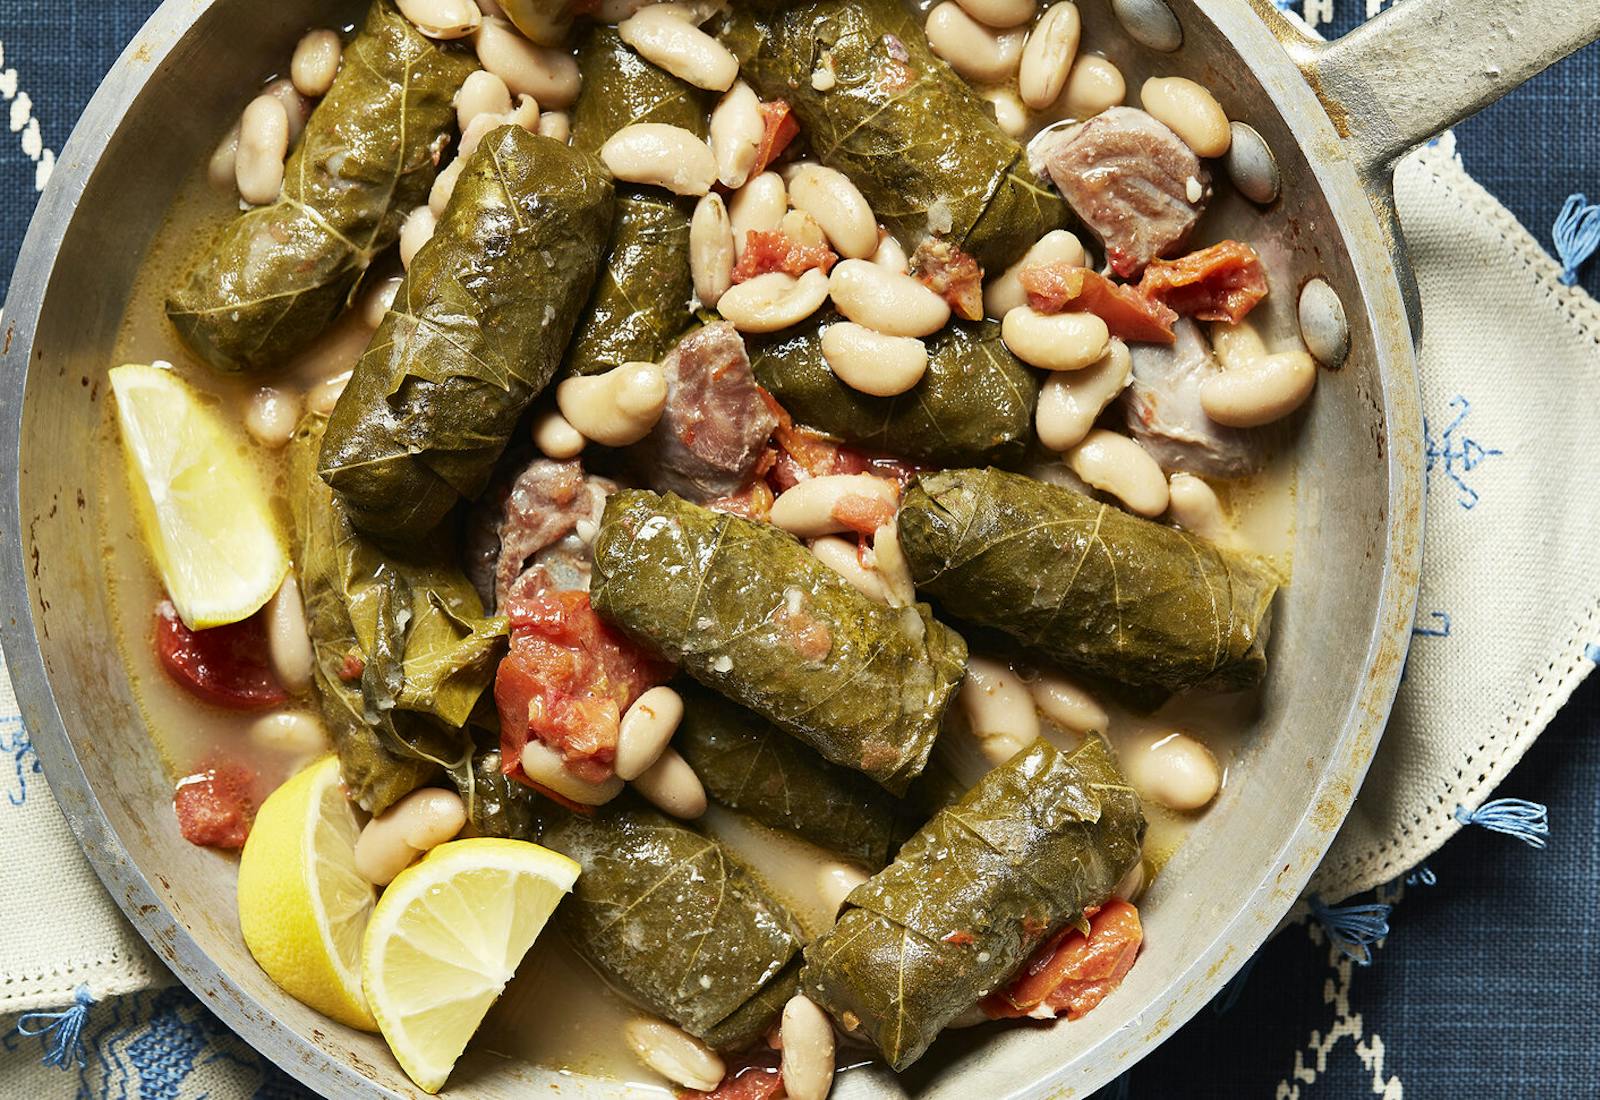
(1488,984)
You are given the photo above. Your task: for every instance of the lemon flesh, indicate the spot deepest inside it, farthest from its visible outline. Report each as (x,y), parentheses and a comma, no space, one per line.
(302,906)
(447,936)
(201,507)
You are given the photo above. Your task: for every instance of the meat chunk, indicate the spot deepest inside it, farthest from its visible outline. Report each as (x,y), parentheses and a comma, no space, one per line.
(535,535)
(711,436)
(1134,183)
(1163,410)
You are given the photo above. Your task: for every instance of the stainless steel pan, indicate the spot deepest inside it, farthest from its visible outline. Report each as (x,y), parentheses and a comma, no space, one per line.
(1334,117)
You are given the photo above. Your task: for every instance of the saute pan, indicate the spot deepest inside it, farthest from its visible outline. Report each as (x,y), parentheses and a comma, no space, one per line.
(1331,120)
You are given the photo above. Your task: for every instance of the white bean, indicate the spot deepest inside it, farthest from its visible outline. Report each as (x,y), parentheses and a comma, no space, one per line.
(647,727)
(758,206)
(377,298)
(886,302)
(473,136)
(556,125)
(838,207)
(1005,293)
(807,510)
(1055,341)
(736,131)
(316,62)
(977,52)
(322,397)
(871,362)
(671,785)
(482,93)
(544,766)
(890,562)
(419,822)
(1001,13)
(711,250)
(1047,58)
(263,141)
(444,185)
(288,640)
(1071,401)
(803,230)
(807,1060)
(555,437)
(290,732)
(1131,885)
(1068,705)
(1237,345)
(998,708)
(671,42)
(1009,113)
(662,155)
(414,233)
(1094,85)
(774,301)
(524,114)
(220,168)
(616,408)
(1174,770)
(1251,394)
(548,75)
(1195,508)
(843,556)
(1115,464)
(891,256)
(442,19)
(1190,111)
(676,1055)
(835,881)
(296,106)
(271,416)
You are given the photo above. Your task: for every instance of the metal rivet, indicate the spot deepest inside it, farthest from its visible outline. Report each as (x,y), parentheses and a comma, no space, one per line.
(1149,23)
(1251,165)
(1323,325)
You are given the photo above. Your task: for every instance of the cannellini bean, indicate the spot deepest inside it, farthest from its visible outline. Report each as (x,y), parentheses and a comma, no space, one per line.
(271,416)
(736,131)
(1193,506)
(616,408)
(666,39)
(549,75)
(871,362)
(1131,885)
(1047,58)
(263,141)
(758,206)
(1071,401)
(1237,345)
(663,155)
(524,114)
(808,509)
(998,708)
(1115,464)
(1055,341)
(416,232)
(1094,85)
(891,256)
(1068,705)
(807,1061)
(843,556)
(377,298)
(647,727)
(1174,770)
(290,732)
(774,301)
(1005,293)
(977,52)
(473,136)
(482,93)
(803,230)
(444,185)
(544,766)
(1251,394)
(838,207)
(676,1055)
(422,820)
(886,302)
(288,640)
(1009,113)
(316,62)
(442,19)
(1001,13)
(322,397)
(555,437)
(890,562)
(671,785)
(556,125)
(296,106)
(220,168)
(1190,111)
(835,881)
(711,250)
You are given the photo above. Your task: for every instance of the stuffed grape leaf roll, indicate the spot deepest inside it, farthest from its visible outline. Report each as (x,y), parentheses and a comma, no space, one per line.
(280,274)
(476,331)
(748,611)
(1024,853)
(1085,583)
(875,103)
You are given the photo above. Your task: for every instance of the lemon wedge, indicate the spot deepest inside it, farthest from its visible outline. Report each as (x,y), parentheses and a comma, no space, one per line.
(302,906)
(447,936)
(202,509)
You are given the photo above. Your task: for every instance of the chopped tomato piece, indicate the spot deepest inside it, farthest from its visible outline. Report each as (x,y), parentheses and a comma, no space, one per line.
(863,514)
(952,275)
(1220,283)
(1128,313)
(225,665)
(352,667)
(780,127)
(754,501)
(769,250)
(1072,972)
(754,1077)
(802,453)
(214,806)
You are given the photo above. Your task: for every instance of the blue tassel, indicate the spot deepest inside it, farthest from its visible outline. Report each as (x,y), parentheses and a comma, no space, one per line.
(66,1045)
(1352,928)
(1229,994)
(1422,876)
(1576,235)
(1529,822)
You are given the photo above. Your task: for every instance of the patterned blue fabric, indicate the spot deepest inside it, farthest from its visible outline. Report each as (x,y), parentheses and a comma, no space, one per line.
(1488,982)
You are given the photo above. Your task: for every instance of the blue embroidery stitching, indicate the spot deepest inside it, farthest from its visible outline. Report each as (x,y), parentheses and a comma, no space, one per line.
(1440,631)
(15,743)
(1459,455)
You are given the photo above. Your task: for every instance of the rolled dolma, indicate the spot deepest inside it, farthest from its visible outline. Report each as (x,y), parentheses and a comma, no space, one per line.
(674,923)
(749,765)
(1085,583)
(974,404)
(402,648)
(643,300)
(921,145)
(748,611)
(280,274)
(970,896)
(476,331)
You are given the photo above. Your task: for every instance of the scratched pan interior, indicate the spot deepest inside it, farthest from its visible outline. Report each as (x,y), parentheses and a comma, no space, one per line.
(1336,651)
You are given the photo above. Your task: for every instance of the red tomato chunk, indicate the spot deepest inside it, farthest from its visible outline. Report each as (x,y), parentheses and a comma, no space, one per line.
(1072,972)
(952,275)
(769,250)
(1220,283)
(225,665)
(214,806)
(755,1077)
(780,127)
(1129,314)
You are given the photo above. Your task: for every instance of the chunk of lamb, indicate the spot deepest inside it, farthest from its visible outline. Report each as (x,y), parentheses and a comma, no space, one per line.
(715,427)
(535,536)
(1134,183)
(1162,406)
